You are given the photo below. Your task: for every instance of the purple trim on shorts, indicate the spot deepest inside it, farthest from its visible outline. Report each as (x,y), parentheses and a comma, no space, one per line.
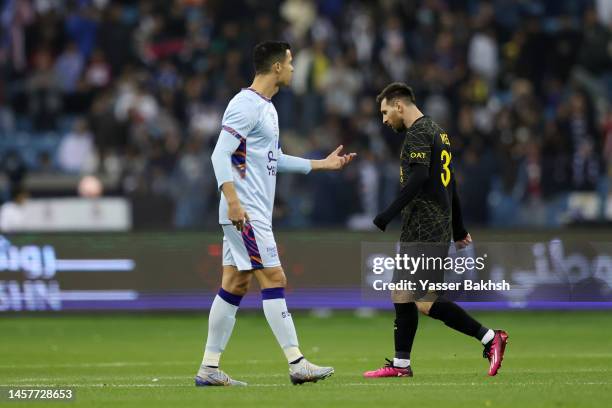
(229,297)
(273,293)
(248,236)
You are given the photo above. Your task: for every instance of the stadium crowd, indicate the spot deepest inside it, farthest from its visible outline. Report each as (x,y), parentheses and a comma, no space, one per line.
(136,89)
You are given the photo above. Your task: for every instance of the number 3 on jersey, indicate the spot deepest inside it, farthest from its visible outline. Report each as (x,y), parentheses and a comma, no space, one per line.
(445,158)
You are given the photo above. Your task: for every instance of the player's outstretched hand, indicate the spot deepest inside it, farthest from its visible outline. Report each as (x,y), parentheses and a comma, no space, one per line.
(336,161)
(464,242)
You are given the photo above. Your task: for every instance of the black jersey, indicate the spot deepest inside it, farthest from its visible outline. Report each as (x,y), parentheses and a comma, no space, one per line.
(428,217)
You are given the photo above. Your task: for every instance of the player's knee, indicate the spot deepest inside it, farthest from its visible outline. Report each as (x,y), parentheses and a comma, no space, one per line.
(271,278)
(424,307)
(279,280)
(401,296)
(237,286)
(238,289)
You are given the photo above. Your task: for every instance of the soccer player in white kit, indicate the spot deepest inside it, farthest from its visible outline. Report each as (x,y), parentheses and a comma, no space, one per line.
(246,159)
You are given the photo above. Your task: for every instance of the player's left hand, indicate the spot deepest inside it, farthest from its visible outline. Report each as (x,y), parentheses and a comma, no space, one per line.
(381,222)
(336,161)
(464,242)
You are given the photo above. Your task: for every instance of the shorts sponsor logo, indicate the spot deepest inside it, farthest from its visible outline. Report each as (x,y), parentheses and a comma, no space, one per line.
(272,252)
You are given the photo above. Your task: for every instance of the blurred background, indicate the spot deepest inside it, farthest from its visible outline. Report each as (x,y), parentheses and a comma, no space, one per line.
(109,111)
(132,94)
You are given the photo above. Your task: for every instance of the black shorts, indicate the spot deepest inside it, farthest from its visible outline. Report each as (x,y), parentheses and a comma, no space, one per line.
(422,265)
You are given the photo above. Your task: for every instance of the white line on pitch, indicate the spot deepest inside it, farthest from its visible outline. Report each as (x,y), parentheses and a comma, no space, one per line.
(282,375)
(327,385)
(265,361)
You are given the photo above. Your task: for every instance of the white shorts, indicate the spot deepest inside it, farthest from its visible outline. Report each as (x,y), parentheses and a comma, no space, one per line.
(254,248)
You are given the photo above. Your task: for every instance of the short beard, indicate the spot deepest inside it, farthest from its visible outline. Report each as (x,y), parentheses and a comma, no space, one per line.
(400,129)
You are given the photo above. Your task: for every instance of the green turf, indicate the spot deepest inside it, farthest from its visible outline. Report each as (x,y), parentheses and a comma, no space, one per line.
(552,360)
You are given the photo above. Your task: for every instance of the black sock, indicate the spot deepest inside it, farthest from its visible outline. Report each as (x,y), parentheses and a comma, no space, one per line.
(406,322)
(455,317)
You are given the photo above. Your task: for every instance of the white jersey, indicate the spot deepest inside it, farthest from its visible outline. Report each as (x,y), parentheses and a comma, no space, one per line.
(251,119)
(248,153)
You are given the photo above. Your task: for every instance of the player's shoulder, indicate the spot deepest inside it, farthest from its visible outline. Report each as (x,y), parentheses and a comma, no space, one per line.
(249,97)
(427,125)
(421,132)
(436,128)
(246,105)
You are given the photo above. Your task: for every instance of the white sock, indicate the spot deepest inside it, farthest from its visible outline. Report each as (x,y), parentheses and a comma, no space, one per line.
(281,323)
(401,362)
(488,337)
(221,320)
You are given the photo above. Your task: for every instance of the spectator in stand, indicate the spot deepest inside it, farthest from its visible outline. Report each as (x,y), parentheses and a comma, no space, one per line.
(44,100)
(68,68)
(76,153)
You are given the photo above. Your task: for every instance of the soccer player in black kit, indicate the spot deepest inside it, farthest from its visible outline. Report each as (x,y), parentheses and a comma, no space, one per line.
(431,217)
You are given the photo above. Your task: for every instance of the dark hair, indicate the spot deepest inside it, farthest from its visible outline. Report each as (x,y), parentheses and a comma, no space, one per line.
(267,53)
(394,91)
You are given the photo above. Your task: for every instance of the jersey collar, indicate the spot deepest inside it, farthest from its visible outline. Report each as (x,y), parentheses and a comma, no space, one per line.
(260,95)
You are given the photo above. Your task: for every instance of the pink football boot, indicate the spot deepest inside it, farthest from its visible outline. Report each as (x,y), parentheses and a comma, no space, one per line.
(494,351)
(389,371)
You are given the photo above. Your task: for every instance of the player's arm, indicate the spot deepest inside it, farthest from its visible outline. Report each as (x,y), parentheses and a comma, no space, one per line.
(417,176)
(238,121)
(334,161)
(235,211)
(293,164)
(222,166)
(419,156)
(460,235)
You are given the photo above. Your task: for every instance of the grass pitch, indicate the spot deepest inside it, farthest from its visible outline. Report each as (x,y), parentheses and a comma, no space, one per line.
(553,359)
